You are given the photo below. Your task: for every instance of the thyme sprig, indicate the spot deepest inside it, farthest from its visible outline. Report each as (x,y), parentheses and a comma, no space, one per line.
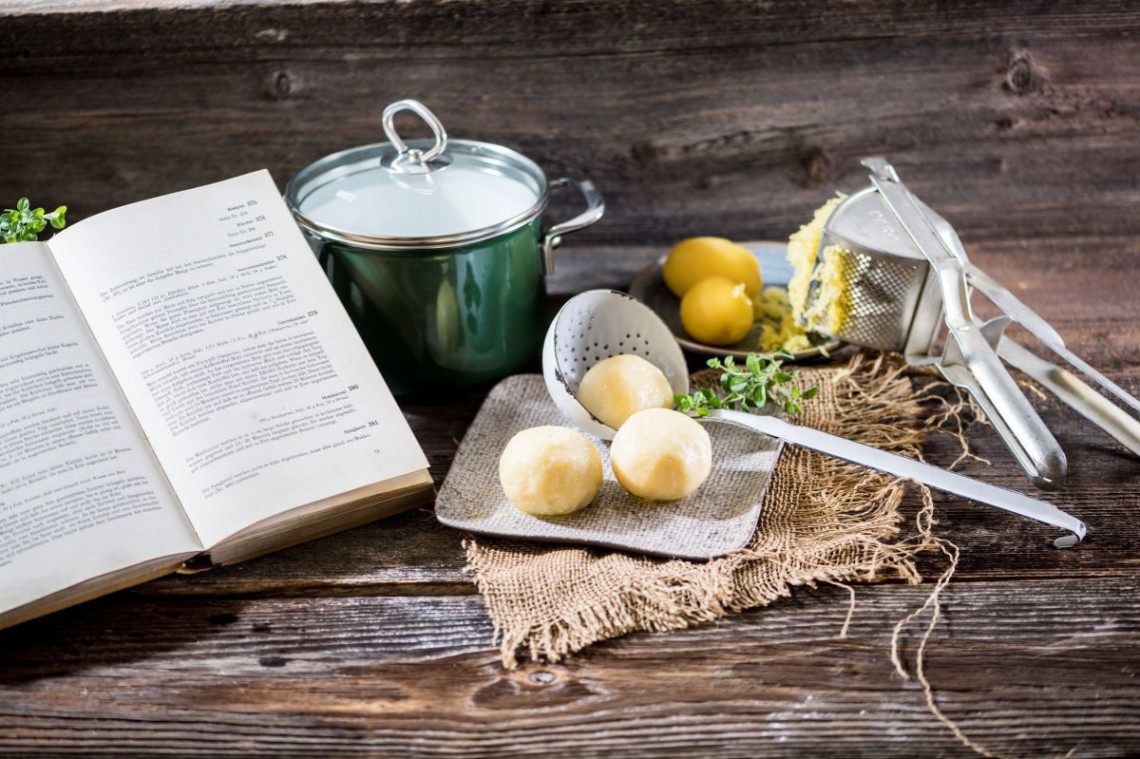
(24,223)
(761,380)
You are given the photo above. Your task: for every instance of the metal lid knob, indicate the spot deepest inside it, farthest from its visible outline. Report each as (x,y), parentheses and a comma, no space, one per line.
(413,160)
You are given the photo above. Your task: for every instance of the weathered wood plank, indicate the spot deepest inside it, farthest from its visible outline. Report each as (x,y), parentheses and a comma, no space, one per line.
(1034,670)
(1015,119)
(1085,288)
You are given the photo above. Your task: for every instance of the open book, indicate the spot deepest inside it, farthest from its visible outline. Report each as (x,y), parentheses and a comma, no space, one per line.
(179,386)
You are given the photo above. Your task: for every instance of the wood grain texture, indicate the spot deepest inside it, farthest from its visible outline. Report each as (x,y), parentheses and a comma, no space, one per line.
(1022,671)
(1085,288)
(383,648)
(1015,119)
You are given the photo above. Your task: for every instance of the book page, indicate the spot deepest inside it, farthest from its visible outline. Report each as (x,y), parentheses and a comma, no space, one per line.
(235,354)
(81,494)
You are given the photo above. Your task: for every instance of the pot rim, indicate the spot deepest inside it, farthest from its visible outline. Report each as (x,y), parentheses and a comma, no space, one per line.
(335,166)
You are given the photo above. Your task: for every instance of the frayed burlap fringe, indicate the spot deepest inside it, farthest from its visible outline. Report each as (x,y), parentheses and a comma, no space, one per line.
(824,521)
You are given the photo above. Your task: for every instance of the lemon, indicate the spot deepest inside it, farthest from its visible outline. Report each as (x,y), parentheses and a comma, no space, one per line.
(717,311)
(696,258)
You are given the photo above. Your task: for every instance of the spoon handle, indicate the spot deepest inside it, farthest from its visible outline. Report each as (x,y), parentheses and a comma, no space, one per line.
(900,466)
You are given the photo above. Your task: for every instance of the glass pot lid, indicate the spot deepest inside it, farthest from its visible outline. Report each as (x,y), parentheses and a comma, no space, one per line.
(417,193)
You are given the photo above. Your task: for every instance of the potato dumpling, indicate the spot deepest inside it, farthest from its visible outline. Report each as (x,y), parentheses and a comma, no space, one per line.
(717,311)
(550,470)
(618,387)
(694,259)
(661,454)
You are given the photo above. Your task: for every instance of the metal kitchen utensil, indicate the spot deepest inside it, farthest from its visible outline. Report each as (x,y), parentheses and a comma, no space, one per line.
(908,282)
(598,324)
(595,325)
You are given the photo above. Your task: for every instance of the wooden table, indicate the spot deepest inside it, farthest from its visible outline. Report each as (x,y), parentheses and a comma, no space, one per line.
(1018,121)
(375,641)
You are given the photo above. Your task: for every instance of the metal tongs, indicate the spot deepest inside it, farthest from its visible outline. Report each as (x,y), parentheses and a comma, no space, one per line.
(972,349)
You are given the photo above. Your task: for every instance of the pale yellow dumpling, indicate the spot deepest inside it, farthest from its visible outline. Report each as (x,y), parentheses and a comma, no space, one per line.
(550,470)
(618,387)
(661,454)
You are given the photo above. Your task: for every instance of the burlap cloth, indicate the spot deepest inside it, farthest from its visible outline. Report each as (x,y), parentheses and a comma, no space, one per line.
(823,521)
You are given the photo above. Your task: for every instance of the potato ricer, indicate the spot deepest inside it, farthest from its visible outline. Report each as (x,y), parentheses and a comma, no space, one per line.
(906,286)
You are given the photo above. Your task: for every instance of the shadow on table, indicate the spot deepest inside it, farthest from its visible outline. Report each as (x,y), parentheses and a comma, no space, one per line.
(109,632)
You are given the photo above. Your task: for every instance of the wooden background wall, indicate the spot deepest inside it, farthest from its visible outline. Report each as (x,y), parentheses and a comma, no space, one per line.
(1018,120)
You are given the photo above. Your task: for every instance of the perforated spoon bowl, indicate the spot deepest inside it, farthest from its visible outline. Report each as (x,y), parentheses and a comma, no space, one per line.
(594,326)
(598,324)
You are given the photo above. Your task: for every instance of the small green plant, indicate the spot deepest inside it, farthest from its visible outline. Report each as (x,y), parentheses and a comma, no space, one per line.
(24,223)
(761,380)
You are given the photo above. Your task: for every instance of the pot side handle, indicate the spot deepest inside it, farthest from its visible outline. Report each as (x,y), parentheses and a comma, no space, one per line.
(595,207)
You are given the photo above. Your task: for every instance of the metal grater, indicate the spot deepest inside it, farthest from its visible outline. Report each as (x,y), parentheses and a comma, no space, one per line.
(908,282)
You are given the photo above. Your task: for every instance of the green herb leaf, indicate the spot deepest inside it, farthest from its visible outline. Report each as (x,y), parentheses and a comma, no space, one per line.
(760,380)
(24,223)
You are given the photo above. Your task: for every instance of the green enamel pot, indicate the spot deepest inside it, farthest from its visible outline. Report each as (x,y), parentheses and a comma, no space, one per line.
(438,250)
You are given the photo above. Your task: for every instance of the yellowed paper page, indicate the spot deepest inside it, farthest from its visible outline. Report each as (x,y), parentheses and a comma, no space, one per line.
(235,354)
(81,494)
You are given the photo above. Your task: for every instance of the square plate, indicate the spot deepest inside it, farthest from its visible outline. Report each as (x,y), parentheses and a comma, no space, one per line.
(719,517)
